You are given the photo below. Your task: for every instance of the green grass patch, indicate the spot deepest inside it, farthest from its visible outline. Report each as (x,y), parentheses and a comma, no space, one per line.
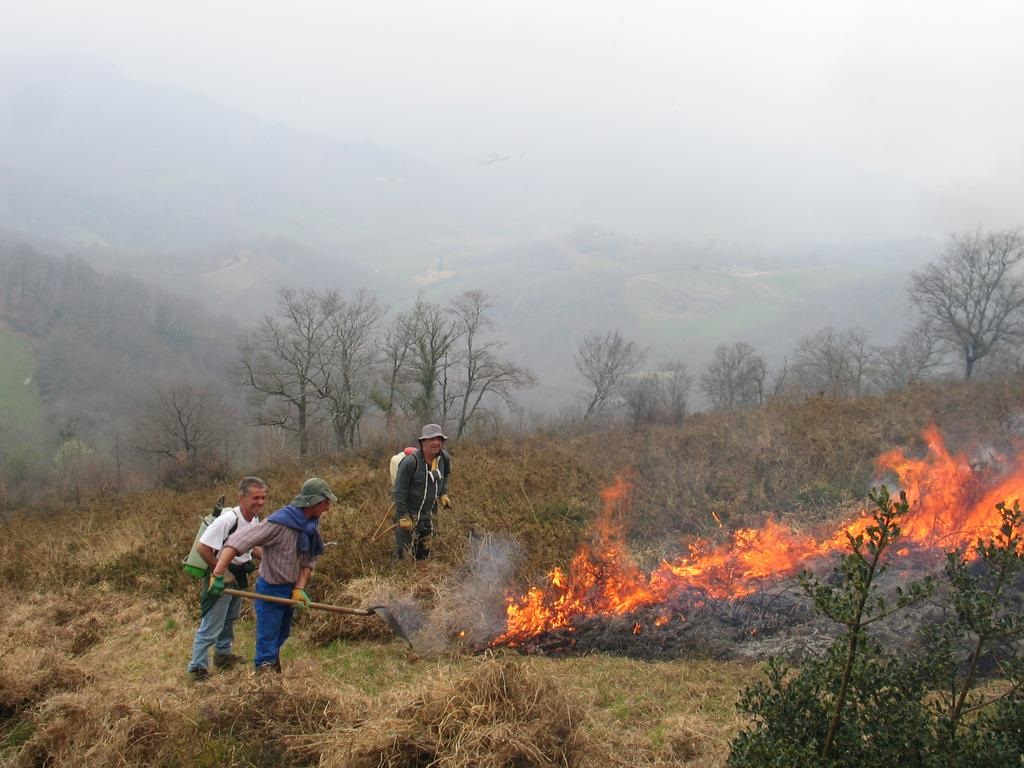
(20,404)
(719,307)
(14,733)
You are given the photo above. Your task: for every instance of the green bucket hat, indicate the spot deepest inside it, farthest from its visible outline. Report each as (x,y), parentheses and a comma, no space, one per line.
(313,492)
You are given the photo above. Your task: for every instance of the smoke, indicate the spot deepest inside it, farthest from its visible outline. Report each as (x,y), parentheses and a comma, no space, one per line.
(470,609)
(467,608)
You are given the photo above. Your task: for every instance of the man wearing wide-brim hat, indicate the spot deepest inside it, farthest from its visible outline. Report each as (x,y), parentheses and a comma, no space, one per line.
(421,486)
(291,543)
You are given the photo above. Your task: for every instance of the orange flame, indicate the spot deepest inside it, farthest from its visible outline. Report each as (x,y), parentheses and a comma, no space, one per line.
(952,506)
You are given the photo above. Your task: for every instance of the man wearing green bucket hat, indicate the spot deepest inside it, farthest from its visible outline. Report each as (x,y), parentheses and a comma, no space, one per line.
(290,542)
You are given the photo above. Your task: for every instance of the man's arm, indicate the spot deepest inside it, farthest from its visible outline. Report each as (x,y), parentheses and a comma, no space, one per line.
(447,471)
(226,556)
(242,541)
(304,573)
(208,553)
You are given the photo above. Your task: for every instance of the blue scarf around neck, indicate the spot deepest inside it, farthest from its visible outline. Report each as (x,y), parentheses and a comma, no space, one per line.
(309,530)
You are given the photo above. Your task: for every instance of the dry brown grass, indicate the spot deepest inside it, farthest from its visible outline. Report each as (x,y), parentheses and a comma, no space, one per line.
(110,725)
(121,699)
(796,460)
(31,674)
(499,713)
(98,618)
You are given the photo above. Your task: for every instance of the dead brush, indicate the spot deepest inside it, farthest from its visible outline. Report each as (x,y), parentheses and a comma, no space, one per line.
(261,711)
(230,720)
(499,714)
(107,727)
(407,595)
(38,642)
(32,674)
(72,621)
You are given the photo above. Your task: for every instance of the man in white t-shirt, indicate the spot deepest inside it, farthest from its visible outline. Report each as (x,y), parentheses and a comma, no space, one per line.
(217,627)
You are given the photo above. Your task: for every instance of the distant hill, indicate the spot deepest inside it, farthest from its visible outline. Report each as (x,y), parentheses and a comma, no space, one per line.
(218,206)
(20,404)
(87,345)
(90,156)
(679,301)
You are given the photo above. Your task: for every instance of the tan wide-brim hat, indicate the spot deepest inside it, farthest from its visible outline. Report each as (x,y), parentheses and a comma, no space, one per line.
(432,430)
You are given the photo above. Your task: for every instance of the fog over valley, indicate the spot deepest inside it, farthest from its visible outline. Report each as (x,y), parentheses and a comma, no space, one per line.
(690,182)
(485,384)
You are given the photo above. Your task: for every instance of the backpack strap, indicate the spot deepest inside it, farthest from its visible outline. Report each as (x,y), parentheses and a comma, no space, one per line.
(232,529)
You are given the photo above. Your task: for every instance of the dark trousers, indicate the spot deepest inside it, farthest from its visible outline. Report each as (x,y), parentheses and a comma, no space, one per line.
(417,540)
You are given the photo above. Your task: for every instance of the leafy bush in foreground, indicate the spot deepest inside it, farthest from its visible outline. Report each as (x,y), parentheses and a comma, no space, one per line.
(860,704)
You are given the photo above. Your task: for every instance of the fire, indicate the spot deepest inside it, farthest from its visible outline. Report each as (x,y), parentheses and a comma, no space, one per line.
(952,505)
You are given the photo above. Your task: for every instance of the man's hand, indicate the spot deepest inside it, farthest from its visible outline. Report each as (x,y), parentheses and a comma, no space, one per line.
(300,597)
(216,587)
(406,524)
(445,501)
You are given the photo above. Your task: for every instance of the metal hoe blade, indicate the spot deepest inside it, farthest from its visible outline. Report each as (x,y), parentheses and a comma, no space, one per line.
(389,617)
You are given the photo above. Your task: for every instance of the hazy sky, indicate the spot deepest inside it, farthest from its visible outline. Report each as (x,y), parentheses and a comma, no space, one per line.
(740,121)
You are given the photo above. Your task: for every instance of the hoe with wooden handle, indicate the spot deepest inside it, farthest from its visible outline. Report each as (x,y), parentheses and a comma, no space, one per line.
(379,610)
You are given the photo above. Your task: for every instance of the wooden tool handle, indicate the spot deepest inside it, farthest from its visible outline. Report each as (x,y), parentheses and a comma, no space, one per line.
(289,601)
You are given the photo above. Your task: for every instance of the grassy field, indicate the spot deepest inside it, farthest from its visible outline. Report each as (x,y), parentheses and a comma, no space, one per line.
(99,617)
(91,677)
(19,399)
(707,308)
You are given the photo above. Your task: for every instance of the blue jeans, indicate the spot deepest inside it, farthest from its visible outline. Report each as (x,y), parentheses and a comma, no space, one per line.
(216,629)
(273,622)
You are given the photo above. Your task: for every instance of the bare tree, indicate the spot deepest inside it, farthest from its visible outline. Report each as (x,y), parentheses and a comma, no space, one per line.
(833,363)
(433,334)
(286,358)
(345,387)
(605,362)
(780,378)
(914,357)
(179,421)
(658,396)
(644,397)
(396,351)
(735,377)
(677,383)
(479,370)
(973,295)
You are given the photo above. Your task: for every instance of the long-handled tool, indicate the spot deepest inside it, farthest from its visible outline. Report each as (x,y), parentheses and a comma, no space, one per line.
(381,530)
(379,610)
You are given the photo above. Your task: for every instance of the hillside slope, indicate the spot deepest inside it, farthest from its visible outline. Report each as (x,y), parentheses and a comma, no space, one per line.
(225,209)
(20,404)
(102,616)
(92,345)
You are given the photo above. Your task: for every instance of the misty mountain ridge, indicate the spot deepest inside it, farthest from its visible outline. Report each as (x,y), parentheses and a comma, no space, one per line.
(140,154)
(226,209)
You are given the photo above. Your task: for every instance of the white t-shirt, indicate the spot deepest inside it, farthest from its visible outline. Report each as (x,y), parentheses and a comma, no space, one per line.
(215,536)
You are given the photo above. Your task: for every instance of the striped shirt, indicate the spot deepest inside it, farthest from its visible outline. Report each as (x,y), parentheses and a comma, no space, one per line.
(282,560)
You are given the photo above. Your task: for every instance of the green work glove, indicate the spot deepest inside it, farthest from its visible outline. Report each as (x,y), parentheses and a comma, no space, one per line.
(216,585)
(445,501)
(300,597)
(406,523)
